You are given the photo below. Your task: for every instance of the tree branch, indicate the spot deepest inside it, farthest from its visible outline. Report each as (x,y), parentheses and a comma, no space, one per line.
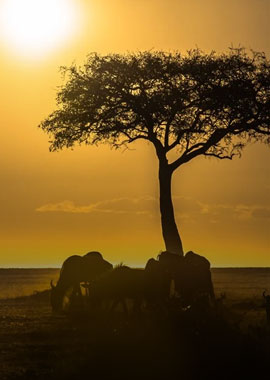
(131,139)
(176,142)
(216,136)
(216,155)
(167,133)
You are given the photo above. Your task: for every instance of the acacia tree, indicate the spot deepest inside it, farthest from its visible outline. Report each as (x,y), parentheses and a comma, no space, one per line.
(196,104)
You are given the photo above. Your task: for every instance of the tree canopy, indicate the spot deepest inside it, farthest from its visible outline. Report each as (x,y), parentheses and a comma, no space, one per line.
(195,104)
(199,103)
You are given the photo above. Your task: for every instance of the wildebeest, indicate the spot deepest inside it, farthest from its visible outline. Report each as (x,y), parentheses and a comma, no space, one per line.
(149,286)
(267,306)
(117,286)
(191,275)
(157,283)
(199,279)
(77,269)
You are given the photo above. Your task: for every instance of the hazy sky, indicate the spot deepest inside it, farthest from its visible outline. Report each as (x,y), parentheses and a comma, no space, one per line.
(57,204)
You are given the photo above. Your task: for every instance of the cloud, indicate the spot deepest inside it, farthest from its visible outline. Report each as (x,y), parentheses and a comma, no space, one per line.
(191,209)
(248,212)
(261,213)
(186,208)
(65,206)
(137,206)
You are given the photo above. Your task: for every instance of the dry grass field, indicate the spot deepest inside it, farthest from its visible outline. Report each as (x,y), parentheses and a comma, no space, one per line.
(233,342)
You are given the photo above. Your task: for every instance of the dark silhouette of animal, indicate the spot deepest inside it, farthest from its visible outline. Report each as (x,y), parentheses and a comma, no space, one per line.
(219,303)
(267,306)
(77,269)
(191,275)
(157,283)
(117,286)
(199,284)
(149,286)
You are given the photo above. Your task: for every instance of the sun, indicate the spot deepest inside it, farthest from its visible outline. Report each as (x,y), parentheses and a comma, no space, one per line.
(35,27)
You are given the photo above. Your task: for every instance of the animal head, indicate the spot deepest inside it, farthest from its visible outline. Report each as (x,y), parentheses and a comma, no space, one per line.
(152,264)
(56,297)
(266,297)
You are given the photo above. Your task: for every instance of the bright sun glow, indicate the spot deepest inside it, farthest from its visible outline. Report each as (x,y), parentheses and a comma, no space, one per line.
(34,27)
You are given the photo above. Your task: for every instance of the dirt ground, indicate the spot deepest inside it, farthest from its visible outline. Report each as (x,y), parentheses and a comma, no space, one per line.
(34,344)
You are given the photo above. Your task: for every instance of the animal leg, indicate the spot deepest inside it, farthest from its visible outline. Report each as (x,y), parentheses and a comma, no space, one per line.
(114,304)
(137,306)
(123,302)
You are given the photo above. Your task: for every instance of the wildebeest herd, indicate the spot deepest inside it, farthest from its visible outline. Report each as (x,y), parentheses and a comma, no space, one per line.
(186,279)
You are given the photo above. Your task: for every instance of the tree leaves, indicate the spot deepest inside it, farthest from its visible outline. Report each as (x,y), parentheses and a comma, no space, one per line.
(200,104)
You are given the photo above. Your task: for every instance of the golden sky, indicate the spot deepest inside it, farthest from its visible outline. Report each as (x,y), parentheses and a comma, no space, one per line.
(57,204)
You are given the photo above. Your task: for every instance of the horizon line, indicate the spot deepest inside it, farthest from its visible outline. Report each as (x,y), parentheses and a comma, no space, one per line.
(212,267)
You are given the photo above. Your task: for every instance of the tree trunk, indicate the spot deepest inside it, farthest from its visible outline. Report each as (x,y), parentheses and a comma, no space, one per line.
(169,229)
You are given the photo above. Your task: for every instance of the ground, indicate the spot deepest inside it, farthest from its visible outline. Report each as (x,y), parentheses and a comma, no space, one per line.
(35,344)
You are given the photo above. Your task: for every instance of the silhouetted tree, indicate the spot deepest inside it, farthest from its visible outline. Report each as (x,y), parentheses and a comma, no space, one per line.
(197,104)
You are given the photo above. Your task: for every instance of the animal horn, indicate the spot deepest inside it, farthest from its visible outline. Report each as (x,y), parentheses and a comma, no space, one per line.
(52,285)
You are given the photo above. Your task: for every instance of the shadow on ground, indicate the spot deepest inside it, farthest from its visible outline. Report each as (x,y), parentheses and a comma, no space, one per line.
(186,345)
